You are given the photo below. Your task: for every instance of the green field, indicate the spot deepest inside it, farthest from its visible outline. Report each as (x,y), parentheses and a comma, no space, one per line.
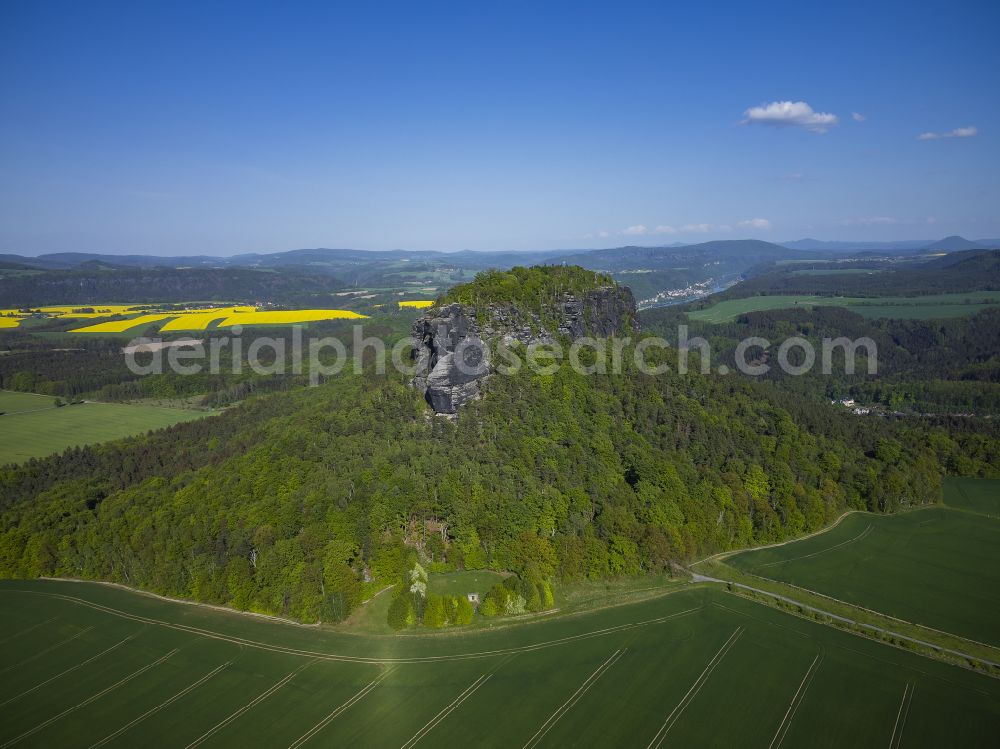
(835,271)
(974,495)
(916,308)
(91,665)
(32,427)
(939,567)
(12,402)
(918,311)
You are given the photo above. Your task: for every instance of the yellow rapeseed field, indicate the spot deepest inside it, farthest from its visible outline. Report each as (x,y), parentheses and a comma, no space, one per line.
(201,319)
(120,326)
(416,304)
(288,317)
(178,320)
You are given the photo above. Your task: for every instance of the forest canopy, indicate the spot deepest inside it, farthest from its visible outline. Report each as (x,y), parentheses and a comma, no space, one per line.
(288,503)
(533,288)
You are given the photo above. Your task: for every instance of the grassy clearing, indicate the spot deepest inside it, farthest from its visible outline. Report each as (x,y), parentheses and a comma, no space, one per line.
(463,583)
(938,567)
(37,433)
(917,308)
(103,666)
(12,402)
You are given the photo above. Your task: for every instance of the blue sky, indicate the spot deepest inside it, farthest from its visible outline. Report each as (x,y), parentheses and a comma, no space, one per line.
(220,128)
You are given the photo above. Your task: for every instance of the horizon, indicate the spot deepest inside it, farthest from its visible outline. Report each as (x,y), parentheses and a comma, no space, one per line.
(875,244)
(234,130)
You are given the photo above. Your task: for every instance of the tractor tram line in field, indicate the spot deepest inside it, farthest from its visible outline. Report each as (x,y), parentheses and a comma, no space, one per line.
(248,706)
(454,704)
(868,529)
(319,655)
(89,700)
(307,687)
(355,698)
(797,698)
(901,715)
(69,670)
(299,718)
(26,630)
(166,703)
(692,692)
(451,707)
(573,699)
(46,651)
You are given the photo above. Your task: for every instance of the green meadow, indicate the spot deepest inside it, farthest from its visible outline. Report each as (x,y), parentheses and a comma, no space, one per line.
(916,308)
(31,426)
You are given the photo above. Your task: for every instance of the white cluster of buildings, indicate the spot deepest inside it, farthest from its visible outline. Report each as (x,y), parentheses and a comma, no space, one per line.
(851,404)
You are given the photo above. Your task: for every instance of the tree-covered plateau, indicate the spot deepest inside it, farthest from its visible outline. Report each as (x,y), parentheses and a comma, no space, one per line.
(301,503)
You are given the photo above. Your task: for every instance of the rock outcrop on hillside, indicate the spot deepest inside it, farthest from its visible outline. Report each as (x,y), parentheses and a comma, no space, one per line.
(453,342)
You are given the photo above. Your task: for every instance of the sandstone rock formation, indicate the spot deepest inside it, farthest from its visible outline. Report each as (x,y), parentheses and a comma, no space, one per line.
(452,343)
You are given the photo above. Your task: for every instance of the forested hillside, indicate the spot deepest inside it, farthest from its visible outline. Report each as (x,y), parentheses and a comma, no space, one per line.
(99,284)
(954,273)
(287,503)
(939,367)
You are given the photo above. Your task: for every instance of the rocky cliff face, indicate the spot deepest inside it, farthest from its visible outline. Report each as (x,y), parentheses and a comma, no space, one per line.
(452,343)
(451,357)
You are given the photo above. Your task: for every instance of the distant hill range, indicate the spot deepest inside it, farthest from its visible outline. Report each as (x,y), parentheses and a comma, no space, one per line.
(626,257)
(948,244)
(93,281)
(955,272)
(656,275)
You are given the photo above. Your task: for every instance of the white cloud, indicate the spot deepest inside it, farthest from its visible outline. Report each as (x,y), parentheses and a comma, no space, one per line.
(857,117)
(603,234)
(790,113)
(869,221)
(958,132)
(641,230)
